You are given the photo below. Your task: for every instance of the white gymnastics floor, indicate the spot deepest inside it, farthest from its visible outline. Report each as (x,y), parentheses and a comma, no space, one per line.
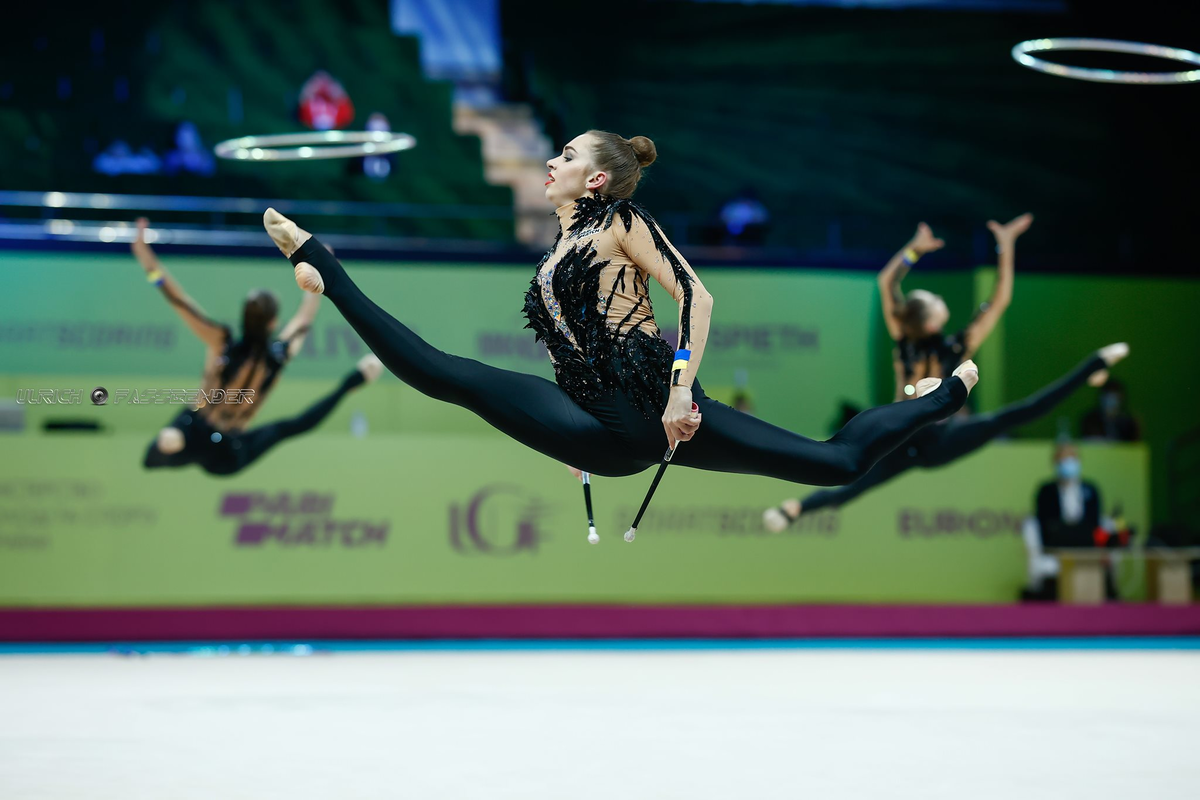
(616,724)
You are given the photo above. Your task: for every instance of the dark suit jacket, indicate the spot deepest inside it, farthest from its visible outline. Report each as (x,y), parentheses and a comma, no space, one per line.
(1123,428)
(1056,532)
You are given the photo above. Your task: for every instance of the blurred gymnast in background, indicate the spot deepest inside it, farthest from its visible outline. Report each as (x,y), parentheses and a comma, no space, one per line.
(238,375)
(924,353)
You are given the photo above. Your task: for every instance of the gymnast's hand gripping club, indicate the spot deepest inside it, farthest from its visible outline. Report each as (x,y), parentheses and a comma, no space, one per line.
(632,532)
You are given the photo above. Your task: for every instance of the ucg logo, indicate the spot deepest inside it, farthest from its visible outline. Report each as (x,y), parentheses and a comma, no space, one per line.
(498,520)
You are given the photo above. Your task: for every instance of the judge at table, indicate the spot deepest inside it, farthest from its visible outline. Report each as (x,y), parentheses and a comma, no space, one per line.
(1068,509)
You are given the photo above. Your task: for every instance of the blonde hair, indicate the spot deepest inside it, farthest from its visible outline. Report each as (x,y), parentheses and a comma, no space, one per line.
(623,159)
(915,310)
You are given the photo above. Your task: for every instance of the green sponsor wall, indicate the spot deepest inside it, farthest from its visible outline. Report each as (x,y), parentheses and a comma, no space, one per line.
(83,523)
(787,332)
(451,518)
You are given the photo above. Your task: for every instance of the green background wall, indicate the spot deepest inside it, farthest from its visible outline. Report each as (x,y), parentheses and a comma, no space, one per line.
(789,332)
(83,523)
(458,518)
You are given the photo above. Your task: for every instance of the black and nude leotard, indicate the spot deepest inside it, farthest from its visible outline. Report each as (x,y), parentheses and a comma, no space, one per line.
(589,302)
(215,431)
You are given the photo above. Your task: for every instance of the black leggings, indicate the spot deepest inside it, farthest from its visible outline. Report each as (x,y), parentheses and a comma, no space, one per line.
(233,451)
(611,437)
(939,445)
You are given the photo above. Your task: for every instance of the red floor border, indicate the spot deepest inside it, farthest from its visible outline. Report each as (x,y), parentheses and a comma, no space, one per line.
(592,622)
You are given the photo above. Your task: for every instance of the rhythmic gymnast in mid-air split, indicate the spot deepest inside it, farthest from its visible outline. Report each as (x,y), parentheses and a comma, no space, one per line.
(213,435)
(619,385)
(924,353)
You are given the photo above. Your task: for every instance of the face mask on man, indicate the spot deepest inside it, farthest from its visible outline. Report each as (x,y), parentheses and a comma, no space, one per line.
(1069,469)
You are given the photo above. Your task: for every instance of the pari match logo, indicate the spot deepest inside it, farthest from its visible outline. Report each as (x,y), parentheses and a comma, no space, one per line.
(500,520)
(297,520)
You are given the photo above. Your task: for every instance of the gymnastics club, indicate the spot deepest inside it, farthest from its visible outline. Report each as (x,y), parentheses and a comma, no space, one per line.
(586,477)
(632,532)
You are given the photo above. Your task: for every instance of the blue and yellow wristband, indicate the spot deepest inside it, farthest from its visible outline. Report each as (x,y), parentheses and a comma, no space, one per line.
(155,276)
(682,359)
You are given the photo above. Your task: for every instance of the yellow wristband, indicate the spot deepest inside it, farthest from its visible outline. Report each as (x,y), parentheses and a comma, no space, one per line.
(155,277)
(911,255)
(679,364)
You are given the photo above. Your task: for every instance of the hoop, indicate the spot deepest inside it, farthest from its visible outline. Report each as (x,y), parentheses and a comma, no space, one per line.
(1021,51)
(314,145)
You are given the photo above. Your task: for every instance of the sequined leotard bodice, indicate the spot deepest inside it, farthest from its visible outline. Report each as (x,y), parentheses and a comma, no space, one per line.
(935,356)
(932,357)
(590,303)
(240,366)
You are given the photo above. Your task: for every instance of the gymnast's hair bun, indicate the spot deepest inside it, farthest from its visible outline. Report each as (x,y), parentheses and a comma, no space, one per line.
(644,149)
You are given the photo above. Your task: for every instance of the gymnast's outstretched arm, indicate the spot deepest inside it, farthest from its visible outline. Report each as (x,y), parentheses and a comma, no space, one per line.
(891,298)
(298,326)
(1006,244)
(209,331)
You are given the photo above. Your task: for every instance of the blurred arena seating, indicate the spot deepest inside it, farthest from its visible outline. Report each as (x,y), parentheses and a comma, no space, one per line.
(845,128)
(234,70)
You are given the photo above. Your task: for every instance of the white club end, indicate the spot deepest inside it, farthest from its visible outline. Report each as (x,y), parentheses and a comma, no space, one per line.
(630,534)
(775,520)
(593,537)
